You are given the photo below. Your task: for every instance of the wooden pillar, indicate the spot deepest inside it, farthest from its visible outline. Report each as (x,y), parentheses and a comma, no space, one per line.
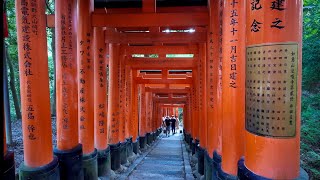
(135,110)
(85,88)
(68,147)
(113,98)
(33,67)
(34,84)
(66,74)
(148,111)
(100,102)
(113,105)
(212,77)
(273,87)
(100,91)
(85,70)
(122,92)
(202,96)
(189,108)
(128,100)
(233,81)
(142,117)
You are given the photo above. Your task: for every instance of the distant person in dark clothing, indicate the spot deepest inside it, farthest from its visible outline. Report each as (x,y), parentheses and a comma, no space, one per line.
(173,124)
(167,122)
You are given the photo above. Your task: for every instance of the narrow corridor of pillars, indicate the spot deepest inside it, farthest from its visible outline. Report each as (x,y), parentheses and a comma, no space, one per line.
(279,158)
(35,101)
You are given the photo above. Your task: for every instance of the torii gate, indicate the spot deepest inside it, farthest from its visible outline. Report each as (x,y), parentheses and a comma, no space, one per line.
(243,100)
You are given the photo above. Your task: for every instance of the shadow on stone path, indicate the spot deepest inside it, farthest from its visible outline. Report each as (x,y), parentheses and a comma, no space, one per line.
(164,161)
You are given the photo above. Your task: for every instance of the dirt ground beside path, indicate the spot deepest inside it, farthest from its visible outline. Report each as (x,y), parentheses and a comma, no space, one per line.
(17,145)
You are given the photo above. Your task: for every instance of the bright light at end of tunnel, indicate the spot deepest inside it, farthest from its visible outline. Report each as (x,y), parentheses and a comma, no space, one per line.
(192,30)
(167,31)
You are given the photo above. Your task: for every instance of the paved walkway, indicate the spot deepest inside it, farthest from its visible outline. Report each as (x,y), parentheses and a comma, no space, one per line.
(164,161)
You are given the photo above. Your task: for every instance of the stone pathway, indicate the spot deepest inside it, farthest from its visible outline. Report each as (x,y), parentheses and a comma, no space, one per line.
(164,161)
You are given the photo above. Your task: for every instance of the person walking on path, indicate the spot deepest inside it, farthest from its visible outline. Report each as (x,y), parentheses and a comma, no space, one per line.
(173,124)
(167,122)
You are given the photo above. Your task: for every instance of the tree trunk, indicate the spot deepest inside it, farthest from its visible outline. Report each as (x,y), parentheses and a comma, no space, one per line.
(13,88)
(53,48)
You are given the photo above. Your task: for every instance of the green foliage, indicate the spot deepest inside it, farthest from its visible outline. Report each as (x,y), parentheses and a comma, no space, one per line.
(12,49)
(311,45)
(310,110)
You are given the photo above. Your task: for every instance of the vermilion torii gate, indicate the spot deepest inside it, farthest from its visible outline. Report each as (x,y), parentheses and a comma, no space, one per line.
(233,66)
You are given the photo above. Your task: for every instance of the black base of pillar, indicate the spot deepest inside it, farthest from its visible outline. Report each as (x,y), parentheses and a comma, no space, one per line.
(245,173)
(115,156)
(200,155)
(154,136)
(135,146)
(47,172)
(9,166)
(149,140)
(216,163)
(90,165)
(192,146)
(143,142)
(104,163)
(217,172)
(207,166)
(123,152)
(196,147)
(187,138)
(70,162)
(129,147)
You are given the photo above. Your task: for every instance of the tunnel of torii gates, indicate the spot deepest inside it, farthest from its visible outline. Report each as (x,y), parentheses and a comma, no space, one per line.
(239,87)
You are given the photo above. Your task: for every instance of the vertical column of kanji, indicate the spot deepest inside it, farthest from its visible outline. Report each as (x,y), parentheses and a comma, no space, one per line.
(233,70)
(135,112)
(273,89)
(35,98)
(68,147)
(218,103)
(212,73)
(148,116)
(129,113)
(128,102)
(202,107)
(122,119)
(85,87)
(142,117)
(122,98)
(113,105)
(195,121)
(100,102)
